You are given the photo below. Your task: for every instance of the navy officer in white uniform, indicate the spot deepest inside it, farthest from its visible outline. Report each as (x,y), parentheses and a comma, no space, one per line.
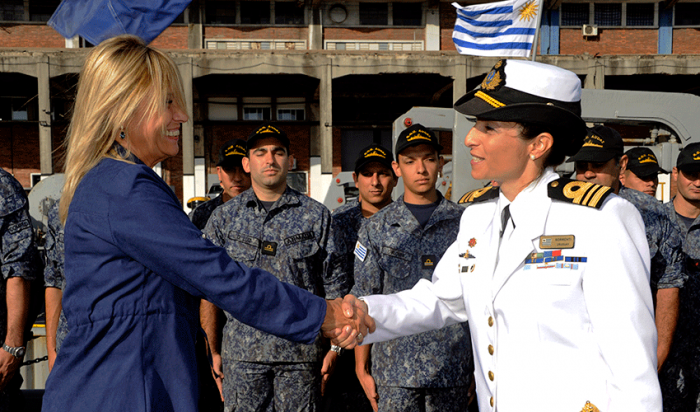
(552,274)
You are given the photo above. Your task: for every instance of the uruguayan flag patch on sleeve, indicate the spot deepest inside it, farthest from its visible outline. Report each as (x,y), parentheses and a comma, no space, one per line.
(360,251)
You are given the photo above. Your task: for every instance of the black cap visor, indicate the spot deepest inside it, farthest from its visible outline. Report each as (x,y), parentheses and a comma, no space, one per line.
(503,106)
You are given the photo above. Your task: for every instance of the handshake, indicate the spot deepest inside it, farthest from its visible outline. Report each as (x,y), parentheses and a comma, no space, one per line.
(347,322)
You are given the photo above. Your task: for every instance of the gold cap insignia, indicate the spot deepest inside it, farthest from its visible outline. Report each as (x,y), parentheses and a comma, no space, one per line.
(647,158)
(593,141)
(696,155)
(267,129)
(375,151)
(496,77)
(235,150)
(418,134)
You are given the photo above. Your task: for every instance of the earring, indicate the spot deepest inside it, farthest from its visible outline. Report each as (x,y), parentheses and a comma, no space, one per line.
(532,157)
(121,134)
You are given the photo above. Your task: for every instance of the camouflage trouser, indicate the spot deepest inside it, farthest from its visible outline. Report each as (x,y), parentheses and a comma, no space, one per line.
(680,375)
(272,387)
(397,399)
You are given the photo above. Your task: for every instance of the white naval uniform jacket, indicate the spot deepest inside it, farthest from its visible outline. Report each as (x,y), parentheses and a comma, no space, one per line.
(544,339)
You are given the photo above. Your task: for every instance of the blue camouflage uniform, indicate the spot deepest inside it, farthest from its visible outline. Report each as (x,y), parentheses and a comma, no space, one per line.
(290,242)
(53,269)
(343,390)
(345,226)
(200,215)
(18,258)
(398,254)
(680,375)
(664,238)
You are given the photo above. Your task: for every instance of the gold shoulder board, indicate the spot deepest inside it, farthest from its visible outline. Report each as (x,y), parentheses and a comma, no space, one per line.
(479,195)
(579,193)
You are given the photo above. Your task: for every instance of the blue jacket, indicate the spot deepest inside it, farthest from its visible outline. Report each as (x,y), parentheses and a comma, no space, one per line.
(135,267)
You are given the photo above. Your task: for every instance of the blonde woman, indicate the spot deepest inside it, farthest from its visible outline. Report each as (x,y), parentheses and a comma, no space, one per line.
(135,266)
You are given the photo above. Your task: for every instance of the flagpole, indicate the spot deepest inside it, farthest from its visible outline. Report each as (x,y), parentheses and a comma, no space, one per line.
(537,30)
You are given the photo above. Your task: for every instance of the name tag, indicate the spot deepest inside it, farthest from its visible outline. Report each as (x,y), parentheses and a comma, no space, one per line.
(557,242)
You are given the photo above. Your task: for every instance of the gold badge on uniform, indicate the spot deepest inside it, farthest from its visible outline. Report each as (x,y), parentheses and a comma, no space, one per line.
(557,242)
(429,261)
(269,248)
(589,407)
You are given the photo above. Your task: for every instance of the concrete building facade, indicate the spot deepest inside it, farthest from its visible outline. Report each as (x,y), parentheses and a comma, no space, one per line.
(334,74)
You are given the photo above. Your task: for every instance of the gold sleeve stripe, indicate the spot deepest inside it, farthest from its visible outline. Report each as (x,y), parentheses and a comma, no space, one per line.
(488,99)
(601,190)
(585,193)
(470,196)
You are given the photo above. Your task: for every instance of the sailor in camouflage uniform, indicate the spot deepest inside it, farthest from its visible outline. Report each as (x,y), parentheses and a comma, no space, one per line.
(680,379)
(600,161)
(54,281)
(232,178)
(375,180)
(275,228)
(19,262)
(400,245)
(234,181)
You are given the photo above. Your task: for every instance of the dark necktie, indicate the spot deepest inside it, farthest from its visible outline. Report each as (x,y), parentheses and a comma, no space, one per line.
(505,216)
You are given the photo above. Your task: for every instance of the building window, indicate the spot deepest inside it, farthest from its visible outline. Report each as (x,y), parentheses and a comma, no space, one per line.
(374,14)
(574,14)
(256,113)
(255,12)
(607,14)
(222,108)
(12,10)
(407,14)
(290,114)
(288,13)
(687,14)
(41,10)
(18,109)
(257,108)
(220,12)
(640,14)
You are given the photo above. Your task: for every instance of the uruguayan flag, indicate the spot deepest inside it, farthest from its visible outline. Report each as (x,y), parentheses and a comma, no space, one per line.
(504,28)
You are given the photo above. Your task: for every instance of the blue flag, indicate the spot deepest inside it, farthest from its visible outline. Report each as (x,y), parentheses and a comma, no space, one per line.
(98,20)
(504,28)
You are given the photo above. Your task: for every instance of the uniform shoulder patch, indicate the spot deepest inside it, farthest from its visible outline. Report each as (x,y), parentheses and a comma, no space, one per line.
(479,195)
(579,193)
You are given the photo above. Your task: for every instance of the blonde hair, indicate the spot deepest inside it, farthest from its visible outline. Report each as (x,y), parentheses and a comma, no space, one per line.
(120,77)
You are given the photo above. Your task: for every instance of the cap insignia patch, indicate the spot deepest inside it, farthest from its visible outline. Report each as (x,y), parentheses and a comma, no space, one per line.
(495,78)
(479,195)
(696,155)
(267,129)
(593,141)
(418,134)
(235,150)
(579,193)
(375,151)
(647,158)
